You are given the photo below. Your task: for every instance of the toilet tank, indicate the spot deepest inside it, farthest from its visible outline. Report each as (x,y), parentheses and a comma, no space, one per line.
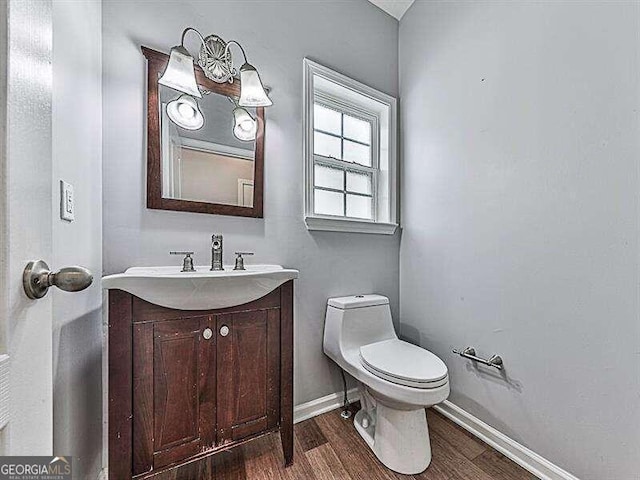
(351,322)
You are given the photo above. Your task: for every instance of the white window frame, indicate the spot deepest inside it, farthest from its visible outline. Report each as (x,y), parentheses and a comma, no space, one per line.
(359,103)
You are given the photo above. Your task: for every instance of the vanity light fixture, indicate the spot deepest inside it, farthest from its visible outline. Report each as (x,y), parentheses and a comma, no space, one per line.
(244,125)
(217,63)
(252,92)
(184,112)
(180,74)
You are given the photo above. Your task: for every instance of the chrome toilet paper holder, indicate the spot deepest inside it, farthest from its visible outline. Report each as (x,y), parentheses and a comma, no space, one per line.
(470,353)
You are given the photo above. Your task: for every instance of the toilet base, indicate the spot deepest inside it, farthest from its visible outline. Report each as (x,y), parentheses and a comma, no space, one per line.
(399,438)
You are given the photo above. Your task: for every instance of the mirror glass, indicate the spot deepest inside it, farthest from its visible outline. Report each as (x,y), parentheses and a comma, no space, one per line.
(209,164)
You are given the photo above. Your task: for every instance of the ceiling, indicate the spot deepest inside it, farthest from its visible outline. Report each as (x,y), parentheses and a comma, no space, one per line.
(395,8)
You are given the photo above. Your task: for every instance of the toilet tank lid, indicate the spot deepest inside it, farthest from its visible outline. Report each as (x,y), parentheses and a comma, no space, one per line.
(358,301)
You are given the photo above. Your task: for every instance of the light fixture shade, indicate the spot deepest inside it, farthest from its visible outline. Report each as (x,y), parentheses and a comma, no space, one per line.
(184,112)
(252,93)
(180,74)
(244,125)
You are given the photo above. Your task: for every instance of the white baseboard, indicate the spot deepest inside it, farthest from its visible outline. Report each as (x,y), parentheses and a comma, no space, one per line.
(322,405)
(527,459)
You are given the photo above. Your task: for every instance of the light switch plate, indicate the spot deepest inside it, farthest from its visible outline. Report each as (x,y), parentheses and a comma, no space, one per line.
(67,202)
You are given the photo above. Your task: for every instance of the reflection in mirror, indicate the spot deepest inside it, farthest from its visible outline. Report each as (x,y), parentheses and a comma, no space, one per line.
(210,164)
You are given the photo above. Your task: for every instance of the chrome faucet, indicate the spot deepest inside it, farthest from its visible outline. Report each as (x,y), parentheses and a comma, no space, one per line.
(216,252)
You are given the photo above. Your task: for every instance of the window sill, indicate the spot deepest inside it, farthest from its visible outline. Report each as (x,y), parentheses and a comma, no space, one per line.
(353,226)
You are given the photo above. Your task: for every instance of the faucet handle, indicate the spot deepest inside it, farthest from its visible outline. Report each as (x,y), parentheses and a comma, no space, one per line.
(187,262)
(240,260)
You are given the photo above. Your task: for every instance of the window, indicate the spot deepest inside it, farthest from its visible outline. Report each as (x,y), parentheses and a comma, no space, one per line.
(350,154)
(345,167)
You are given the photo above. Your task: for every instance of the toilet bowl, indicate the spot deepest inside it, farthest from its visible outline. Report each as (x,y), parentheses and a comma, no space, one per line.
(397,380)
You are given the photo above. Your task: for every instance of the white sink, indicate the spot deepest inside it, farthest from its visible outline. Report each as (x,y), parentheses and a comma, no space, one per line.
(202,289)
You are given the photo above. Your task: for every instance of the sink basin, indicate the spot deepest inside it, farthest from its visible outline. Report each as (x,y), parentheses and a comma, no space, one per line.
(202,289)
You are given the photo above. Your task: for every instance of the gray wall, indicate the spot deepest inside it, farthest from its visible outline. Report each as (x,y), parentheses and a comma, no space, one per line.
(77,158)
(354,38)
(520,213)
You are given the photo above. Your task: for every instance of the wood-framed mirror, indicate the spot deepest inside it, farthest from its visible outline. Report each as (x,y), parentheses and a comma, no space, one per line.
(208,170)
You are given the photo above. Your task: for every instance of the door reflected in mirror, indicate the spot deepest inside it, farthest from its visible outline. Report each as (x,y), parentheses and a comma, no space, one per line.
(210,164)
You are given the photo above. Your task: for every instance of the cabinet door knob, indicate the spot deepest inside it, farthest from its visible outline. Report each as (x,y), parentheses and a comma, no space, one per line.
(224,330)
(207,333)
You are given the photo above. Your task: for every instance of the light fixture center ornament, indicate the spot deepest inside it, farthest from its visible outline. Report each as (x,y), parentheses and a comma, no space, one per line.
(216,61)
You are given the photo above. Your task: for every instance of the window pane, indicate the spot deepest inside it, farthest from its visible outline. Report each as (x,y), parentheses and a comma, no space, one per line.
(326,119)
(354,152)
(357,129)
(328,177)
(328,203)
(359,207)
(359,182)
(326,145)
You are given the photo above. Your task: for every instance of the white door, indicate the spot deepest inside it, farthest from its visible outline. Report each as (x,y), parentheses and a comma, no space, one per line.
(50,129)
(26,216)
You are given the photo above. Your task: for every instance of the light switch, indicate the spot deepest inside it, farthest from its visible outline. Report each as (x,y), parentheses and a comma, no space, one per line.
(67,202)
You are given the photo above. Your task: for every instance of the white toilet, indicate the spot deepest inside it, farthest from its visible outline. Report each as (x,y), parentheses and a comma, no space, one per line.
(398,380)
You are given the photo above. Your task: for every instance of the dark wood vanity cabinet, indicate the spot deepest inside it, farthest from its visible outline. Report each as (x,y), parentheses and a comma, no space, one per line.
(184,385)
(248,374)
(173,391)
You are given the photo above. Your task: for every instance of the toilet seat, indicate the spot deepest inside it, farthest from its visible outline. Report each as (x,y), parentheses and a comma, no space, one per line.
(404,363)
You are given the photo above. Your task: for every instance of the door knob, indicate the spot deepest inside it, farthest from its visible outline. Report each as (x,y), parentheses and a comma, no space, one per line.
(37,278)
(224,331)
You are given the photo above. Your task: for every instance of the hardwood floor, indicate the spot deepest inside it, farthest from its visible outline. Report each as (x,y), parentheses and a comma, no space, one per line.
(329,448)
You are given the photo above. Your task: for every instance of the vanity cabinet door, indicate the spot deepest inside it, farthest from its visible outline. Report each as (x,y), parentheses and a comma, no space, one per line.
(174,391)
(248,373)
